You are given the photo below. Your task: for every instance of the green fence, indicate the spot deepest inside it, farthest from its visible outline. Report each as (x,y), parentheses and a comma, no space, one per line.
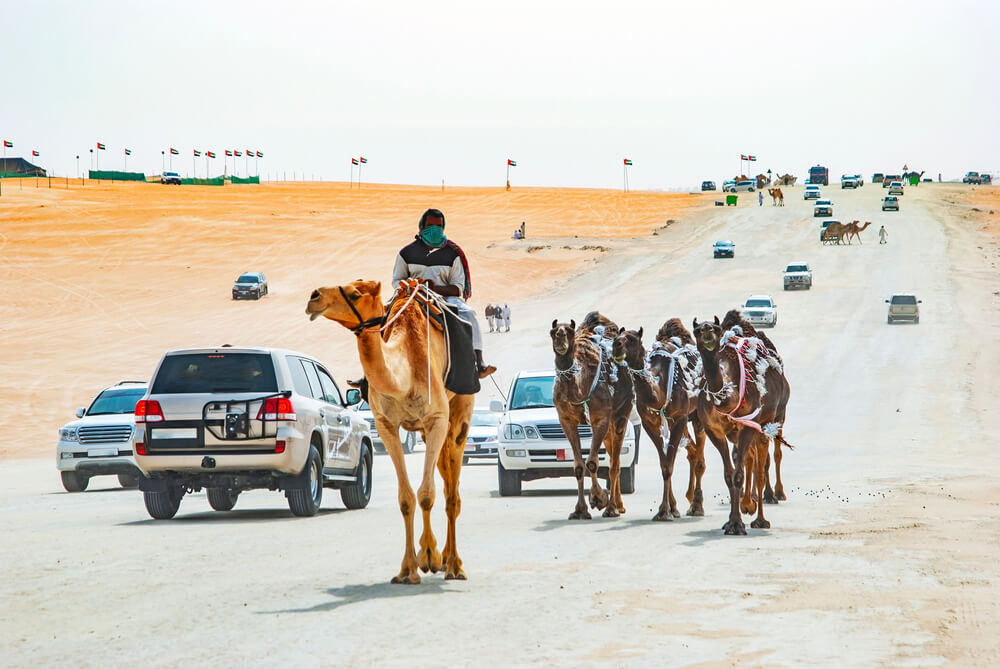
(248,180)
(18,175)
(115,175)
(217,181)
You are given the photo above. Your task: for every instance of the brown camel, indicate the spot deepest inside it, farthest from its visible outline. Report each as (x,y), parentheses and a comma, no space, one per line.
(394,357)
(743,389)
(785,180)
(834,232)
(852,230)
(776,196)
(666,398)
(589,389)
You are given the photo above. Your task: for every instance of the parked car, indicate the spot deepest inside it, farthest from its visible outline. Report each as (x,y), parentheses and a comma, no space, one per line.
(532,444)
(724,249)
(727,186)
(896,188)
(890,203)
(760,310)
(811,192)
(232,419)
(798,275)
(743,186)
(877,178)
(407,438)
(708,185)
(859,179)
(250,284)
(903,308)
(483,438)
(848,182)
(99,441)
(971,178)
(985,179)
(170,178)
(823,208)
(889,178)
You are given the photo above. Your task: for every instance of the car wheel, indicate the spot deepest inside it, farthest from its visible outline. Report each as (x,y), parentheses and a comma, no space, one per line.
(465,460)
(889,320)
(128,480)
(916,320)
(510,482)
(163,505)
(304,500)
(222,499)
(74,481)
(357,495)
(410,442)
(626,479)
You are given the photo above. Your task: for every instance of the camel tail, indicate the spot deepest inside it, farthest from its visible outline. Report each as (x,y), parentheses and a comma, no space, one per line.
(781,440)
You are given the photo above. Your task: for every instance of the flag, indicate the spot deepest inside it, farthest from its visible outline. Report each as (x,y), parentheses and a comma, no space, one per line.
(35,153)
(354,161)
(628,162)
(238,153)
(210,154)
(742,157)
(752,158)
(228,152)
(363,159)
(249,153)
(128,152)
(100,146)
(260,155)
(8,145)
(174,152)
(197,153)
(512,163)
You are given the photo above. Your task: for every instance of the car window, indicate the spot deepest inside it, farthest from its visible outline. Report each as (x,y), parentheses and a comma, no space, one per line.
(247,278)
(300,382)
(531,393)
(216,373)
(758,303)
(484,418)
(116,401)
(904,299)
(316,391)
(797,268)
(331,393)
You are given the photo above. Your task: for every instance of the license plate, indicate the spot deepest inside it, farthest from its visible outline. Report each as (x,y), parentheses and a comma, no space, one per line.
(102,452)
(560,454)
(470,447)
(174,433)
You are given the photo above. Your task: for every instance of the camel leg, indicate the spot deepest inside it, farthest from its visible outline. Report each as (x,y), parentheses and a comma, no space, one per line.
(677,432)
(614,476)
(614,473)
(769,497)
(572,432)
(408,574)
(651,422)
(697,500)
(760,445)
(598,497)
(744,442)
(450,464)
(748,505)
(779,489)
(428,557)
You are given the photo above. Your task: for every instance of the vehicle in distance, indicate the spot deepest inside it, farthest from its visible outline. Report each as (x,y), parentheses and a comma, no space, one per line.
(232,419)
(250,284)
(890,203)
(743,186)
(170,178)
(760,310)
(889,178)
(877,178)
(848,182)
(811,193)
(724,248)
(903,308)
(823,208)
(99,441)
(896,188)
(985,179)
(819,175)
(727,186)
(798,275)
(483,434)
(532,444)
(408,439)
(971,178)
(708,185)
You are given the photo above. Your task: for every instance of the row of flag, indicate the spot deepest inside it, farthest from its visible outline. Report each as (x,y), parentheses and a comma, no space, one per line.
(748,157)
(359,161)
(7,144)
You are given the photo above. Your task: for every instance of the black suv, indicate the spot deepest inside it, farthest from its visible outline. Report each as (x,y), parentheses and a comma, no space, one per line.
(250,284)
(723,249)
(708,185)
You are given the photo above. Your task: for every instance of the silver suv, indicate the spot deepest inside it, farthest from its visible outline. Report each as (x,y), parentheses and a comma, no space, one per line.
(99,441)
(233,419)
(903,308)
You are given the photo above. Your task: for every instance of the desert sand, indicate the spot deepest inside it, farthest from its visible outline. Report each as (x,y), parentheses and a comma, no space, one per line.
(885,553)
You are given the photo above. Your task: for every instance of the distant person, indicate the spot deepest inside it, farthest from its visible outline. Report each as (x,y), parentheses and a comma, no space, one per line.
(882,235)
(517,234)
(939,177)
(760,198)
(489,316)
(522,230)
(505,313)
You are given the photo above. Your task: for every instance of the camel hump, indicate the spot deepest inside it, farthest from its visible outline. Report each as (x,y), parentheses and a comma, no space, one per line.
(594,319)
(674,328)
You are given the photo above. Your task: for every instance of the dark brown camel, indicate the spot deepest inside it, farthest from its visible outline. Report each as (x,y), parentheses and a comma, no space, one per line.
(589,389)
(666,398)
(742,392)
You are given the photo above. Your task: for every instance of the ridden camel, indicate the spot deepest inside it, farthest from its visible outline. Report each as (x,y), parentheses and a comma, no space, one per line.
(394,356)
(589,389)
(743,389)
(776,196)
(666,398)
(852,230)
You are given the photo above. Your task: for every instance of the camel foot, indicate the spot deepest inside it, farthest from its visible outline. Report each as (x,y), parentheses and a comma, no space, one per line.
(430,561)
(454,571)
(457,576)
(760,524)
(674,512)
(769,497)
(611,512)
(598,499)
(580,514)
(663,516)
(734,528)
(748,508)
(486,371)
(696,510)
(780,494)
(406,578)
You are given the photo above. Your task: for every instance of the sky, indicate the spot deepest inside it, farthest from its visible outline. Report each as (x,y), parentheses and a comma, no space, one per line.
(436,90)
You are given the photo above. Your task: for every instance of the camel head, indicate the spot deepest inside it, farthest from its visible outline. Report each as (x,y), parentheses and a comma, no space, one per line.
(627,348)
(707,335)
(563,337)
(867,223)
(336,303)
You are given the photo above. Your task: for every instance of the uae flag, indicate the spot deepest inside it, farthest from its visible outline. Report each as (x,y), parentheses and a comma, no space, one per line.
(128,152)
(363,159)
(260,155)
(210,154)
(354,161)
(239,154)
(628,162)
(174,152)
(197,154)
(742,157)
(35,153)
(752,158)
(249,153)
(512,163)
(228,152)
(100,146)
(8,145)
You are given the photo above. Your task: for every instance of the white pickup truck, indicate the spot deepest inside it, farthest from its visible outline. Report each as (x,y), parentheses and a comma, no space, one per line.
(798,275)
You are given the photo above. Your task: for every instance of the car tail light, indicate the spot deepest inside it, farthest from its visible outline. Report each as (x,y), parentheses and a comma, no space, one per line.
(148,411)
(140,448)
(279,446)
(277,408)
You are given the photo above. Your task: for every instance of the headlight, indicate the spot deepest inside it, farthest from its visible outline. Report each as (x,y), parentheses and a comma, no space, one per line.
(624,450)
(513,431)
(67,434)
(530,432)
(517,453)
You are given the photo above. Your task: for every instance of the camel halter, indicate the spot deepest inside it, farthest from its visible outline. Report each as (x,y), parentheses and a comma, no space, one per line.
(363,325)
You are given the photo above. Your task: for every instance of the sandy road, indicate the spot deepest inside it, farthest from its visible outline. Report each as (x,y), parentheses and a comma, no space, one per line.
(884,554)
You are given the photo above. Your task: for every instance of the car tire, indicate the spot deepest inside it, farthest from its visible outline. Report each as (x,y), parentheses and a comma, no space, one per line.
(222,499)
(916,320)
(163,505)
(626,479)
(128,480)
(509,482)
(358,494)
(889,320)
(305,499)
(410,442)
(74,481)
(465,460)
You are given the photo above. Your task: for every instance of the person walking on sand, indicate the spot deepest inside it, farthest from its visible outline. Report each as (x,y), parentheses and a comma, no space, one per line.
(506,317)
(882,235)
(760,198)
(489,316)
(442,264)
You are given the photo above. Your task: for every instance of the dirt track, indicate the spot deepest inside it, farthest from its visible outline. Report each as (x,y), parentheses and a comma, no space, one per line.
(884,554)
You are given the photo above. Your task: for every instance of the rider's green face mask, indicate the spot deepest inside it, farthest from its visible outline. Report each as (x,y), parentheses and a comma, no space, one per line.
(433,236)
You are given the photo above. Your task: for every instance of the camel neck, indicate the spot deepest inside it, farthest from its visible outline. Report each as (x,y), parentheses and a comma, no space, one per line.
(565,361)
(710,367)
(371,350)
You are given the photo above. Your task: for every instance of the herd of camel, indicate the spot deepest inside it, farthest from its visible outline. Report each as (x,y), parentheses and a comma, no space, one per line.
(724,380)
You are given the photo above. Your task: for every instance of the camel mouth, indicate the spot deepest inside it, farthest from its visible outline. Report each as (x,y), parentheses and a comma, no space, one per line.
(619,358)
(314,315)
(708,345)
(560,348)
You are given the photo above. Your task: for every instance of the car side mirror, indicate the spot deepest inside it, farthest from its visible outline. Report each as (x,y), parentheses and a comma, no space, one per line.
(887,301)
(81,412)
(496,406)
(920,301)
(353,396)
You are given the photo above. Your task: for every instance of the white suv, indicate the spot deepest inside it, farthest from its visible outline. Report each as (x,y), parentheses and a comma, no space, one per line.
(233,419)
(99,442)
(760,310)
(532,444)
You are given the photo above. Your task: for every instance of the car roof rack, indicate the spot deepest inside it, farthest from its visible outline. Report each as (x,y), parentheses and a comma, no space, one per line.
(121,383)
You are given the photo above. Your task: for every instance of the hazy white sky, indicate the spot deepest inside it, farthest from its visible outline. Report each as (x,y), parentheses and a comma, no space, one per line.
(430,90)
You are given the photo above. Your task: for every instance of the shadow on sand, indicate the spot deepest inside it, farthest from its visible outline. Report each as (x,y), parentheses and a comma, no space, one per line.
(235,516)
(353,594)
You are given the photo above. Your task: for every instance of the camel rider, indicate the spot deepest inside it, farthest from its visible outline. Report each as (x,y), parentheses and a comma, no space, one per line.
(441,263)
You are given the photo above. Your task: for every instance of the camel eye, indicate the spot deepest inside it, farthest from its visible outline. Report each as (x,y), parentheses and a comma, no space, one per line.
(315,295)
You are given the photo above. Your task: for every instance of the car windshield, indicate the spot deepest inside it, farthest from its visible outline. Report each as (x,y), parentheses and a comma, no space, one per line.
(904,299)
(758,303)
(247,278)
(122,400)
(216,373)
(532,393)
(484,419)
(725,243)
(797,268)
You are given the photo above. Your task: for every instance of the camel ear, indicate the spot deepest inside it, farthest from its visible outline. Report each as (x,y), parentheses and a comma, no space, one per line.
(717,321)
(555,322)
(640,333)
(572,325)
(694,324)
